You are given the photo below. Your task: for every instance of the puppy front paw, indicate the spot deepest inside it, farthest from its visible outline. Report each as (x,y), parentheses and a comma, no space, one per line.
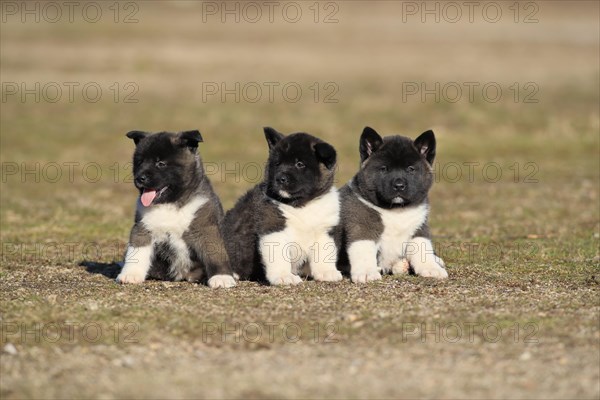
(366,276)
(287,279)
(132,276)
(431,269)
(221,281)
(328,276)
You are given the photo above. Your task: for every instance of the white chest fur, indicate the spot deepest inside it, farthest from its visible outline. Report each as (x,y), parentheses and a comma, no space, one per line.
(167,224)
(304,242)
(163,219)
(305,224)
(399,227)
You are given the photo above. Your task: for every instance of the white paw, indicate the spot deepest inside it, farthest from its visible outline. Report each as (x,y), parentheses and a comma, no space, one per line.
(289,279)
(131,276)
(367,276)
(400,267)
(221,281)
(328,276)
(431,269)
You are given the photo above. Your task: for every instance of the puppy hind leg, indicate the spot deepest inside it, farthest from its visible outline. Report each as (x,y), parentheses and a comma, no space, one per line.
(211,250)
(422,258)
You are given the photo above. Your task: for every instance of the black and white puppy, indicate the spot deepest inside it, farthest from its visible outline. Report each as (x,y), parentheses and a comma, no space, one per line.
(176,235)
(385,209)
(284,226)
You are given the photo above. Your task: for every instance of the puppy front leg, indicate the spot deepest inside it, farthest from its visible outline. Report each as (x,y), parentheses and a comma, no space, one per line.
(323,259)
(138,256)
(363,261)
(211,248)
(422,258)
(277,262)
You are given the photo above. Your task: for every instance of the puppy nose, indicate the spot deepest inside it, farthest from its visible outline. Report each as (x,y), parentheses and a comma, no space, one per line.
(399,185)
(283,179)
(140,180)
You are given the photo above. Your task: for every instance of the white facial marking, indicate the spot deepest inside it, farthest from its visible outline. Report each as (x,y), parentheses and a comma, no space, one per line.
(397,200)
(284,194)
(137,264)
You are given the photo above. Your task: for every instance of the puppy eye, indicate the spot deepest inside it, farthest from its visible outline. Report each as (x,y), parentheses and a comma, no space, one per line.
(161,164)
(410,169)
(383,168)
(300,165)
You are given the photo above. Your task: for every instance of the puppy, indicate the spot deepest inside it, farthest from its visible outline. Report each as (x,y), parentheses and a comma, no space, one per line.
(285,226)
(385,209)
(176,234)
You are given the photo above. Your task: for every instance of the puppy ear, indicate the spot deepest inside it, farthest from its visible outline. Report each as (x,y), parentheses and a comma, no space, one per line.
(137,136)
(272,136)
(190,139)
(370,141)
(326,154)
(425,143)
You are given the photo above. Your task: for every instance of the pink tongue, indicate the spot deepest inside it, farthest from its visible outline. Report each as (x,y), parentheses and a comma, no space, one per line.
(148,196)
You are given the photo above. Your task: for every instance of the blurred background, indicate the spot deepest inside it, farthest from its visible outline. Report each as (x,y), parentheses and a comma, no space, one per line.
(515,84)
(511,90)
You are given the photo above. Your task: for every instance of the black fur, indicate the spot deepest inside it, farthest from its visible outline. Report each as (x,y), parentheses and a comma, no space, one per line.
(391,168)
(395,167)
(169,163)
(299,164)
(296,166)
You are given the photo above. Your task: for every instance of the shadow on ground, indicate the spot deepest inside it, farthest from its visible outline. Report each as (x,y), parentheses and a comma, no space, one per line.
(109,270)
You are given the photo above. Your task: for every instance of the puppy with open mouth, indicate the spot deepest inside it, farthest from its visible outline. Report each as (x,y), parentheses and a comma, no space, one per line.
(176,235)
(285,226)
(385,209)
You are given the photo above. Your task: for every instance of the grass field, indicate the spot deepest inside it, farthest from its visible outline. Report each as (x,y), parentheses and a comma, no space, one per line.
(515,206)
